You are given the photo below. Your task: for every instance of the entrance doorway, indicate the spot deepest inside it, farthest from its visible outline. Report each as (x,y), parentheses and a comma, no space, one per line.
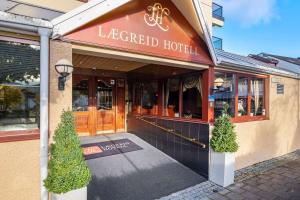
(95,105)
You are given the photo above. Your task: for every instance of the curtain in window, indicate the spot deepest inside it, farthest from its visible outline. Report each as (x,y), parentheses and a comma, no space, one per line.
(243,87)
(191,82)
(255,93)
(172,86)
(149,98)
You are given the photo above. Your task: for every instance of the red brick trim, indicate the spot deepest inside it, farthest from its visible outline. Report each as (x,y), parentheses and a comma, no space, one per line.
(22,135)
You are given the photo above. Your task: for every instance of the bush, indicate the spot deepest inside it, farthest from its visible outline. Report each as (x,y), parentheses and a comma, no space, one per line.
(67,167)
(223,135)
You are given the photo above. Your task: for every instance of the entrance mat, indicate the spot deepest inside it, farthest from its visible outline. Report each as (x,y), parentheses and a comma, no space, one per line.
(109,148)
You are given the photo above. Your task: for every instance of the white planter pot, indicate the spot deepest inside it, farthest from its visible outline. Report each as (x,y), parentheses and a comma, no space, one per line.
(79,194)
(221,168)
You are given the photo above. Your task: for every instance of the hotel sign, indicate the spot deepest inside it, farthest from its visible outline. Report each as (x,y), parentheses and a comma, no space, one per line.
(146,27)
(109,148)
(155,18)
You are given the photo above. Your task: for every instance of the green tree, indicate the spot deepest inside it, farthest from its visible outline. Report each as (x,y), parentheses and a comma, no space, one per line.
(67,167)
(223,135)
(12,97)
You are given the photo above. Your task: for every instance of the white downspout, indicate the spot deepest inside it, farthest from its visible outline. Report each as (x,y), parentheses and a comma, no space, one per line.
(44,89)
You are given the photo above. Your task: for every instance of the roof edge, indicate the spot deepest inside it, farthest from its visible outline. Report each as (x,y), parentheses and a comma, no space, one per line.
(261,69)
(204,26)
(74,19)
(9,18)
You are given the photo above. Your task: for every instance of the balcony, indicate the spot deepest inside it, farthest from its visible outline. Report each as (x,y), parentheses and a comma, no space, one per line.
(218,42)
(217,12)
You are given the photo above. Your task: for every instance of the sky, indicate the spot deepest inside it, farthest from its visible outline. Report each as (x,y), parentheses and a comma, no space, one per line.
(255,26)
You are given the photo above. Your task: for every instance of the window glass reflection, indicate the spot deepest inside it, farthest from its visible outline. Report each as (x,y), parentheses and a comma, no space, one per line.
(80,95)
(135,93)
(104,96)
(172,97)
(192,99)
(19,86)
(242,96)
(224,92)
(150,95)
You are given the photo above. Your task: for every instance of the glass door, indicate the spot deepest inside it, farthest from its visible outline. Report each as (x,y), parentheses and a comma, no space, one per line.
(93,104)
(105,105)
(82,104)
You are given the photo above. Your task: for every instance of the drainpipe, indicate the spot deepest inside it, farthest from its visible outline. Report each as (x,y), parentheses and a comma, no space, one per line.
(44,89)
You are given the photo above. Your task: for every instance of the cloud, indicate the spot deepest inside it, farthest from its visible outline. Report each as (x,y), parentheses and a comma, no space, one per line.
(249,12)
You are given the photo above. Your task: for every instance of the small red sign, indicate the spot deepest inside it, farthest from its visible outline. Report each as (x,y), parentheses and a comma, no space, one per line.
(91,150)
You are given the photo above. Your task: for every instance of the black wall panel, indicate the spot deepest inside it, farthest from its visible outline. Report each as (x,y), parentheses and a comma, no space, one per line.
(188,153)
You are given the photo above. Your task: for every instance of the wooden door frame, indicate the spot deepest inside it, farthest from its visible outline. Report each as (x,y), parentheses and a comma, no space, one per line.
(91,114)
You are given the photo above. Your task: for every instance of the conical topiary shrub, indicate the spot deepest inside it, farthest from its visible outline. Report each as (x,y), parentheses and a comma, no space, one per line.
(223,135)
(67,167)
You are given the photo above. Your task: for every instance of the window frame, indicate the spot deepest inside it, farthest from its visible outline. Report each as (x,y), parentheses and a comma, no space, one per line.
(181,81)
(161,104)
(248,117)
(19,135)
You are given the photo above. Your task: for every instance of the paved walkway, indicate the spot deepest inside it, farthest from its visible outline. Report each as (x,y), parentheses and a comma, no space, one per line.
(278,178)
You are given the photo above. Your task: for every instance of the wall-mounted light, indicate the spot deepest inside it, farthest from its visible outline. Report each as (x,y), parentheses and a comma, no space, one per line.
(218,82)
(64,68)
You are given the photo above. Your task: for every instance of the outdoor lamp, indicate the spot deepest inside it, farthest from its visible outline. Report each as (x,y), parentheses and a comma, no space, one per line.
(64,68)
(219,82)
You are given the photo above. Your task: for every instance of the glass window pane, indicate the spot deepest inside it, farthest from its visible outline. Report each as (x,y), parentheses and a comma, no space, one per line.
(242,96)
(80,95)
(224,91)
(19,86)
(172,98)
(149,98)
(104,96)
(192,100)
(257,97)
(135,93)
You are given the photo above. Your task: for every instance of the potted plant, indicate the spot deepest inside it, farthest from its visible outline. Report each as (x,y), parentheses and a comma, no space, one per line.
(68,173)
(223,145)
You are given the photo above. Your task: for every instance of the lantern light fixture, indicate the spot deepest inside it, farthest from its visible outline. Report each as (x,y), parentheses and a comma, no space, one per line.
(219,82)
(64,68)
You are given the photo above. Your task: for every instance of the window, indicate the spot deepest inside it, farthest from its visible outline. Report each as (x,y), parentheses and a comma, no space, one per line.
(104,96)
(176,97)
(224,92)
(242,96)
(80,95)
(191,97)
(149,98)
(19,86)
(134,95)
(172,97)
(257,97)
(247,100)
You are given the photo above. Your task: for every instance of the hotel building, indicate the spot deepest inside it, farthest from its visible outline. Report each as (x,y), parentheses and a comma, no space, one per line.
(137,66)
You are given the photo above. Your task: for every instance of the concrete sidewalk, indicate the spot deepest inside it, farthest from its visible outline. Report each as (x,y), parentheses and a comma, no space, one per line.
(143,174)
(277,179)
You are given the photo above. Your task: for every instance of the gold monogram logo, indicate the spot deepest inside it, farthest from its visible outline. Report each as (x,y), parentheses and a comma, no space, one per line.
(155,17)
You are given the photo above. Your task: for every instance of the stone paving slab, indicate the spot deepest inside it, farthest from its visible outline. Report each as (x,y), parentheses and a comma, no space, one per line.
(277,179)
